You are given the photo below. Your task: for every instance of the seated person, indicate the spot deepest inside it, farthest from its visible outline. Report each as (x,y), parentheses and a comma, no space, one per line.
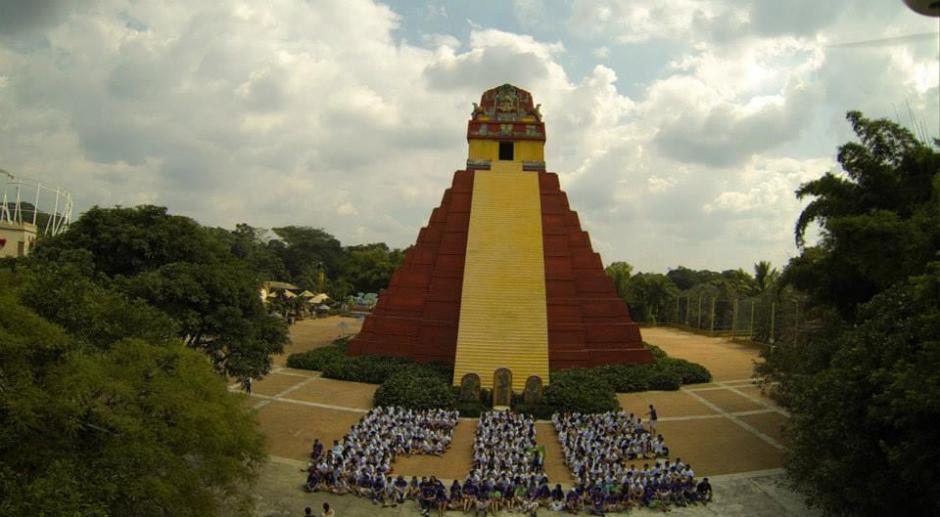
(573,501)
(482,504)
(401,489)
(704,490)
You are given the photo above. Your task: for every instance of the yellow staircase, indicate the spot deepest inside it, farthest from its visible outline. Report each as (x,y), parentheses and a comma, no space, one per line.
(503,323)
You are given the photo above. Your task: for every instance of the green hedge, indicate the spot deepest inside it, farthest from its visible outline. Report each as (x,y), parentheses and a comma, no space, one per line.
(688,372)
(316,359)
(587,390)
(333,362)
(579,389)
(368,368)
(416,389)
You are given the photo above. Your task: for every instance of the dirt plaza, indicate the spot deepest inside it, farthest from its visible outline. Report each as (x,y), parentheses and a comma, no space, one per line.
(723,428)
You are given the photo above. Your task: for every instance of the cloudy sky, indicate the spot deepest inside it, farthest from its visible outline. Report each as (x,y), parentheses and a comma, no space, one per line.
(680,128)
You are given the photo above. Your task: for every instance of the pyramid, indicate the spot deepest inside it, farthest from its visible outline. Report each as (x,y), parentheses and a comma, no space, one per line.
(503,275)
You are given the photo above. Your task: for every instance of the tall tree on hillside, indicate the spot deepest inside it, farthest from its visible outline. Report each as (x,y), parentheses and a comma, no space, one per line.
(620,273)
(862,384)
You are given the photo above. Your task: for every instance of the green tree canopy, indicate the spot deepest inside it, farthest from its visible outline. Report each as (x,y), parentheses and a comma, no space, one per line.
(620,273)
(171,263)
(368,268)
(765,276)
(104,425)
(309,250)
(878,219)
(862,385)
(651,296)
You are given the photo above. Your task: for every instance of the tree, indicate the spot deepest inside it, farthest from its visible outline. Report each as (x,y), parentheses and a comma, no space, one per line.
(877,220)
(120,428)
(620,272)
(306,251)
(175,265)
(217,311)
(862,384)
(765,276)
(368,268)
(862,436)
(255,249)
(650,296)
(127,241)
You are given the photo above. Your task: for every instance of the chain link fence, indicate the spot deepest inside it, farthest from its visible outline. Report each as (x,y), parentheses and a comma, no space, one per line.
(764,319)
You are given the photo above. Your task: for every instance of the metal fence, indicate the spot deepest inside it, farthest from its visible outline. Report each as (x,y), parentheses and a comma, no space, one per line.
(765,319)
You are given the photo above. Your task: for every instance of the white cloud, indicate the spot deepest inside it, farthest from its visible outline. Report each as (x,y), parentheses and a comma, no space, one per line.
(324,115)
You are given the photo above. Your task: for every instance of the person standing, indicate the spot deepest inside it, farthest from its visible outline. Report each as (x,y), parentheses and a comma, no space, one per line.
(653,417)
(247,385)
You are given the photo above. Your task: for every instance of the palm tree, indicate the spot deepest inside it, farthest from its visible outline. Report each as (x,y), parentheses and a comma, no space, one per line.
(764,275)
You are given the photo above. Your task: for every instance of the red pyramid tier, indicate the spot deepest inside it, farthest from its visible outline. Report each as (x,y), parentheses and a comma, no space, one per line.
(418,315)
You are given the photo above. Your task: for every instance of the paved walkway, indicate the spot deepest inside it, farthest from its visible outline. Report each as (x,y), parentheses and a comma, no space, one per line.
(726,428)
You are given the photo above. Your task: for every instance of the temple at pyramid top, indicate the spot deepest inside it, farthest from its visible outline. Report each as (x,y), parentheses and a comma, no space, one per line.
(502,282)
(505,125)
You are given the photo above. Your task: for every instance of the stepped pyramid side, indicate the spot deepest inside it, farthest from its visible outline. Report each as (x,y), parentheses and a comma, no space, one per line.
(588,323)
(418,315)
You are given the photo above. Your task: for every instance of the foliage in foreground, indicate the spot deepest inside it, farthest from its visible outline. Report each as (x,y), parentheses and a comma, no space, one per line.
(863,385)
(96,424)
(863,437)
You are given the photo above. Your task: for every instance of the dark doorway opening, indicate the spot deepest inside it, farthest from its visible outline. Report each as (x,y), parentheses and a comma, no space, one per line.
(506,151)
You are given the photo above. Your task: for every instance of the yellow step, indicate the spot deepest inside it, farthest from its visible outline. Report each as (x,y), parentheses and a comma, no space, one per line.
(503,322)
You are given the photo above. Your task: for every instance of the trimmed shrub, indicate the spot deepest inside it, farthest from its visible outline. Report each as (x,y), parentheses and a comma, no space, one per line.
(657,353)
(687,372)
(373,369)
(470,409)
(580,389)
(416,389)
(316,359)
(662,380)
(342,342)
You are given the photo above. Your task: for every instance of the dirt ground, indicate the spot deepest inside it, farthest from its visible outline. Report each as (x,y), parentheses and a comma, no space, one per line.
(726,359)
(555,465)
(313,333)
(454,464)
(723,427)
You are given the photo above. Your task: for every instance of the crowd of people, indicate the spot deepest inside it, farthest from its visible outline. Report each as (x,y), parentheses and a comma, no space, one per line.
(602,451)
(505,447)
(507,472)
(361,462)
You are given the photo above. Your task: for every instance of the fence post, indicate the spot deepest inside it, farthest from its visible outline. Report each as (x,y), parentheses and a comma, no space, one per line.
(773,315)
(712,332)
(688,309)
(750,330)
(734,318)
(699,325)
